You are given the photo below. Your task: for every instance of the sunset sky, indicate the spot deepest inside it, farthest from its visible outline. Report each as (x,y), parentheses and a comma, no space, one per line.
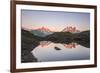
(54,20)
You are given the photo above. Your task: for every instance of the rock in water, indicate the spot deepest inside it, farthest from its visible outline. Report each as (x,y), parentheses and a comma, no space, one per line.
(56,48)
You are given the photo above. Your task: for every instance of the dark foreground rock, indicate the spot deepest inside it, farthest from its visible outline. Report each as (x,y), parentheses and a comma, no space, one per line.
(28,57)
(28,43)
(57,48)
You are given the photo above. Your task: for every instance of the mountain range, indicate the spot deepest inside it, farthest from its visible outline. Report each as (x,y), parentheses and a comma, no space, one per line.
(44,31)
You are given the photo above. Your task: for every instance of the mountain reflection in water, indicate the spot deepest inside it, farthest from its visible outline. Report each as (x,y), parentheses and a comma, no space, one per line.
(46,52)
(46,43)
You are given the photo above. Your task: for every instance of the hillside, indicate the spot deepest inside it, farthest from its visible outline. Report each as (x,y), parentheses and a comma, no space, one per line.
(28,43)
(60,37)
(83,38)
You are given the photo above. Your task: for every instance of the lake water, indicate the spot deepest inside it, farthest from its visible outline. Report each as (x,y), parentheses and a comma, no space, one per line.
(46,51)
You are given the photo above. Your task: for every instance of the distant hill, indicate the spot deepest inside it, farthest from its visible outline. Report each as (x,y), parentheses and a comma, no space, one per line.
(83,38)
(85,35)
(60,37)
